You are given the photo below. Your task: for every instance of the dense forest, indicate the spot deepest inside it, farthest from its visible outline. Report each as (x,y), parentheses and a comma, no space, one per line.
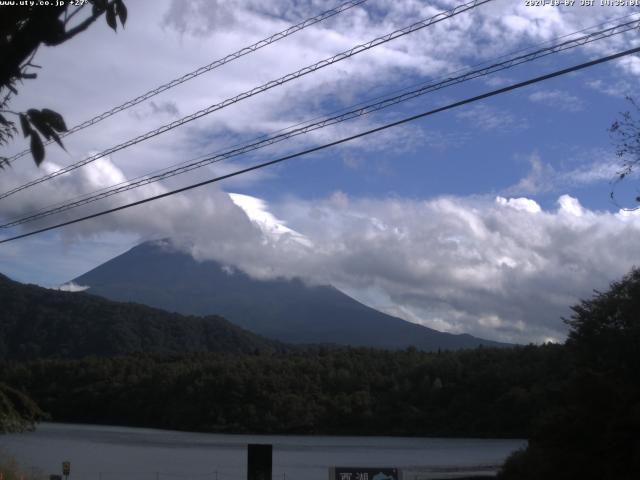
(38,323)
(483,392)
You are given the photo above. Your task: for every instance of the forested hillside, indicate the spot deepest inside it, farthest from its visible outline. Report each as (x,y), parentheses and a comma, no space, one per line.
(37,322)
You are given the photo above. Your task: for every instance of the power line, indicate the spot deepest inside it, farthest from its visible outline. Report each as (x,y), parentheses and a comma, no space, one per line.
(89,197)
(451,106)
(267,86)
(207,68)
(292,132)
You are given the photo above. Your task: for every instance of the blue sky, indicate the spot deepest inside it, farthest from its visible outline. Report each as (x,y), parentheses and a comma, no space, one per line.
(490,219)
(562,123)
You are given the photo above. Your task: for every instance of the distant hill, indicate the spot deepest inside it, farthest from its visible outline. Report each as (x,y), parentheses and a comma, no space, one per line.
(37,322)
(156,274)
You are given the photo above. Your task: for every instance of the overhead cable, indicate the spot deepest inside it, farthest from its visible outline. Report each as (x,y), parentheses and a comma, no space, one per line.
(199,71)
(354,113)
(267,86)
(451,106)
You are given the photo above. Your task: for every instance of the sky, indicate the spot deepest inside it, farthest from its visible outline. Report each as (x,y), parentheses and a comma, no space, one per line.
(490,219)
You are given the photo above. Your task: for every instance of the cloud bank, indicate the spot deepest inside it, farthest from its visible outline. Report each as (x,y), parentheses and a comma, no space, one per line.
(496,267)
(501,268)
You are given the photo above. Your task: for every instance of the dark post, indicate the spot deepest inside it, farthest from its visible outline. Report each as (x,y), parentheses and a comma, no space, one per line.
(66,469)
(259,461)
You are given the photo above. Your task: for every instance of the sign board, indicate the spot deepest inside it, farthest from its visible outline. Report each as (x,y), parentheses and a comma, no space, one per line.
(363,473)
(66,468)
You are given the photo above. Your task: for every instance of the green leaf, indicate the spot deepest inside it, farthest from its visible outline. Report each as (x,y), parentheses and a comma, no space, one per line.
(98,6)
(38,121)
(45,130)
(37,149)
(56,138)
(46,121)
(111,16)
(54,119)
(121,10)
(24,123)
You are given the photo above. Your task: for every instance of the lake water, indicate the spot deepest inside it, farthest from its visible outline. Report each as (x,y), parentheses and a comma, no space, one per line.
(121,453)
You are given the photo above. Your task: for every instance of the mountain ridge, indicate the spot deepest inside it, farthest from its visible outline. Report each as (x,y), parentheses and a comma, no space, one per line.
(290,311)
(37,322)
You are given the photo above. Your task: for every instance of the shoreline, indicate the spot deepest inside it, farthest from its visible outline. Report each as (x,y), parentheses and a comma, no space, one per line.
(276,434)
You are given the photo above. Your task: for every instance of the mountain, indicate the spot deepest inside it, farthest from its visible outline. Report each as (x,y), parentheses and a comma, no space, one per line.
(156,274)
(37,322)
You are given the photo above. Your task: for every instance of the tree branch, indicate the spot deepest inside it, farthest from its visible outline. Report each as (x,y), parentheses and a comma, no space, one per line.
(81,27)
(72,14)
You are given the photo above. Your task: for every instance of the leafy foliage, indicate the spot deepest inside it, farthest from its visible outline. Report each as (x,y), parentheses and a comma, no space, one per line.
(17,411)
(625,133)
(592,433)
(11,470)
(23,28)
(45,121)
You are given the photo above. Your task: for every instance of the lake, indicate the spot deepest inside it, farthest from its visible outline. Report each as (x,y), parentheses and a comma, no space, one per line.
(122,453)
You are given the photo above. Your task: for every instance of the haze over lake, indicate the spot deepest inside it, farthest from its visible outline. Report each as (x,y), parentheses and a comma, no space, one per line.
(110,453)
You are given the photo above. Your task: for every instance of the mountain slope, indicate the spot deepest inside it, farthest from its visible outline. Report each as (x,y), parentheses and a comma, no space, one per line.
(288,310)
(37,322)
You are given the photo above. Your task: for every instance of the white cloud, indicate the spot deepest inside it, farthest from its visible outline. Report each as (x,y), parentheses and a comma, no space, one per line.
(503,269)
(523,204)
(570,206)
(558,99)
(72,287)
(544,178)
(206,213)
(272,227)
(486,117)
(619,88)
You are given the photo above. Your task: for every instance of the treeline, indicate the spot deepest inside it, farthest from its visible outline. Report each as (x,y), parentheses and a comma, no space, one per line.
(480,393)
(37,323)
